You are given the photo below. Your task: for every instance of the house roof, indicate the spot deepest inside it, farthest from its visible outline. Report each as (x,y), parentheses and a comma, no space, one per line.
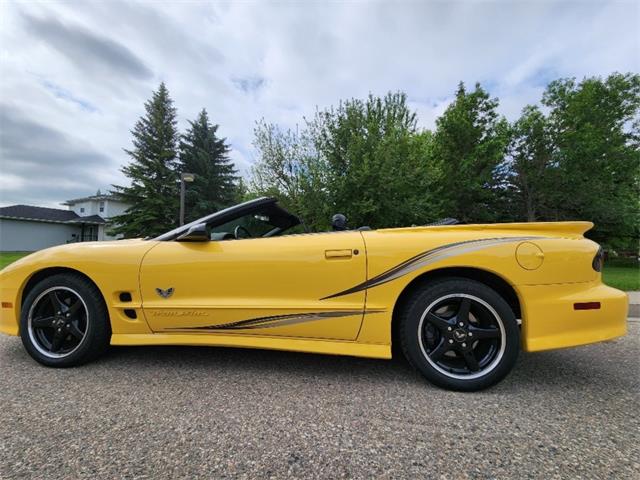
(98,197)
(43,214)
(88,219)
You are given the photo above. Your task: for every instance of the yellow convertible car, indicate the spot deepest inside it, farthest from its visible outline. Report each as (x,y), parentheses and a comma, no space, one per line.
(459,300)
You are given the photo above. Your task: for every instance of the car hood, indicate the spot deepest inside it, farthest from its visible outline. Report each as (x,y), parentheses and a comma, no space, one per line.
(61,254)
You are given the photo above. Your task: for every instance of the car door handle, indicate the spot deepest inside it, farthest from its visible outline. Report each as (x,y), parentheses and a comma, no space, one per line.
(331,254)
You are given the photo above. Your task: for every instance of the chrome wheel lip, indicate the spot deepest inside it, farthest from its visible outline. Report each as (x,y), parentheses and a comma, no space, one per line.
(32,337)
(487,369)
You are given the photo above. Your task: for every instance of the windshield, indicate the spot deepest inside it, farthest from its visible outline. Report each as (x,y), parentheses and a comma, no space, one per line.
(262,217)
(253,225)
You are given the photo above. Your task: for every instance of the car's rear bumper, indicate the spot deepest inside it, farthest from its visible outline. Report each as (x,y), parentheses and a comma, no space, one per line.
(550,319)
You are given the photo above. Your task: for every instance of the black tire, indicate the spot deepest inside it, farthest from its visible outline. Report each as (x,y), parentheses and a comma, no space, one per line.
(64,321)
(432,336)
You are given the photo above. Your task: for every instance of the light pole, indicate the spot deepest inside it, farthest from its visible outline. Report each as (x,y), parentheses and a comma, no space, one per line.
(184,178)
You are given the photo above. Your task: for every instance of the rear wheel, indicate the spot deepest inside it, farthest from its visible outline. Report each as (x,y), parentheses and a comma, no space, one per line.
(64,321)
(460,334)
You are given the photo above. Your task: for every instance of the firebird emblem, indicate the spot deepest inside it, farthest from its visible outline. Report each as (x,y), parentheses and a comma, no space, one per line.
(164,293)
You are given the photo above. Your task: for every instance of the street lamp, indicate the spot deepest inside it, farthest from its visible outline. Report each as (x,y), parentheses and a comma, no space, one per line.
(184,178)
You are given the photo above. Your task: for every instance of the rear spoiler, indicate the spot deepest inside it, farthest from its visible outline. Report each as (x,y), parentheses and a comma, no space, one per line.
(570,229)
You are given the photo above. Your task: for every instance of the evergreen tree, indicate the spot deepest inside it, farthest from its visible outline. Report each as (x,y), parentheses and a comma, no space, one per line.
(469,146)
(207,156)
(153,193)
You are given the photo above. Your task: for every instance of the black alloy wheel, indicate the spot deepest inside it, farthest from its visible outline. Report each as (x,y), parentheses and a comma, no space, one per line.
(459,333)
(57,321)
(64,321)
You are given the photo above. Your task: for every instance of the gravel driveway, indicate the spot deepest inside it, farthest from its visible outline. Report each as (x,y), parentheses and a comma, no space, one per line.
(174,412)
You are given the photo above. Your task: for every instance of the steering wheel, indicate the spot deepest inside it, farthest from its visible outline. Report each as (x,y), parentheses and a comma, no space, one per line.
(238,229)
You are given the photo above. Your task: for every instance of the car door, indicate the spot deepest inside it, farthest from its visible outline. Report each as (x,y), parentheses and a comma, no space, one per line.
(260,286)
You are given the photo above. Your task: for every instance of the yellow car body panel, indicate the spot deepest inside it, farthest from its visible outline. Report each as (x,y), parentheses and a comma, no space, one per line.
(219,283)
(331,293)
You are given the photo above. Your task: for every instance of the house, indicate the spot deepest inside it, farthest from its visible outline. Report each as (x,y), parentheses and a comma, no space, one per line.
(30,228)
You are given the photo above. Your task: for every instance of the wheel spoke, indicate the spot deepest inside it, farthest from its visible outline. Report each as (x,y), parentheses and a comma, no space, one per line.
(73,310)
(463,311)
(438,322)
(75,331)
(484,333)
(439,351)
(470,360)
(57,304)
(42,322)
(56,343)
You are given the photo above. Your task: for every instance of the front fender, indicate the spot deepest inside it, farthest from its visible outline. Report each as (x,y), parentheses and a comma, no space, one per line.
(112,266)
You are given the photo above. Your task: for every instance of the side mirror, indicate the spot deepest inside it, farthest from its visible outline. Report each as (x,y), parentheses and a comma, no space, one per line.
(197,233)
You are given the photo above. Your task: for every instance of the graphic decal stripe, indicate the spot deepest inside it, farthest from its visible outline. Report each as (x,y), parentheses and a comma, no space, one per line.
(278,320)
(426,258)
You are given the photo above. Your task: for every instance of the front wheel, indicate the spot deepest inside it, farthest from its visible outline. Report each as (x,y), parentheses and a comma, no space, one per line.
(460,334)
(64,321)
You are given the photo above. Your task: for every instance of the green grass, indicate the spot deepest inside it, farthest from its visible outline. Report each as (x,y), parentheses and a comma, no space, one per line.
(622,273)
(9,257)
(619,273)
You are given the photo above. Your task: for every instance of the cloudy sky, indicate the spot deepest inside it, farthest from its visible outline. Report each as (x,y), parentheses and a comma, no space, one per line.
(74,75)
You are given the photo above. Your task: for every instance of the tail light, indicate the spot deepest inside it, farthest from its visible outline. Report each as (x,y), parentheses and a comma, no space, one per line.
(598,260)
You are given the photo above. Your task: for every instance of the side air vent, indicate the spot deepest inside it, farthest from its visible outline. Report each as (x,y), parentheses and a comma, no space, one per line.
(125,297)
(131,313)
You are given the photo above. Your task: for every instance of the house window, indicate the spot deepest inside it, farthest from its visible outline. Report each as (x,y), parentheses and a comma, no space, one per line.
(101,207)
(81,209)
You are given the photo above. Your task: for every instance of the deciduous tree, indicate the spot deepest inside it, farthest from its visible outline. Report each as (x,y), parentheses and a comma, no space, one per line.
(470,144)
(531,166)
(364,158)
(595,128)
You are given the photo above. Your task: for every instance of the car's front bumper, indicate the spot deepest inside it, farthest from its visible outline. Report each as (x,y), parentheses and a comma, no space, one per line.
(8,310)
(550,319)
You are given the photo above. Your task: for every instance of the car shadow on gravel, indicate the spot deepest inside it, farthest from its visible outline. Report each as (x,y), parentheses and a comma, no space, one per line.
(564,369)
(254,361)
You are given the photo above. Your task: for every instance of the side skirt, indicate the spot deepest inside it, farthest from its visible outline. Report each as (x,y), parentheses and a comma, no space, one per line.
(328,347)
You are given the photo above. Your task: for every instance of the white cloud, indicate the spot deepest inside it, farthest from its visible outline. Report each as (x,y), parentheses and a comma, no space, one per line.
(11,183)
(76,75)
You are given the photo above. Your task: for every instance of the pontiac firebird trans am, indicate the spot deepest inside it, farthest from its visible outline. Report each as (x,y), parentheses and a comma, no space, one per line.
(459,300)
